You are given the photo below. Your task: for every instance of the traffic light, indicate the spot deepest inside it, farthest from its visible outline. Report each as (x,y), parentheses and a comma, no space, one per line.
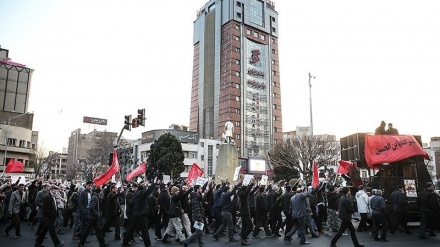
(135,123)
(127,122)
(141,117)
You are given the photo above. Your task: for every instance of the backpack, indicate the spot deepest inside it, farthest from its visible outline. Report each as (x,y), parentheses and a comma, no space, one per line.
(70,203)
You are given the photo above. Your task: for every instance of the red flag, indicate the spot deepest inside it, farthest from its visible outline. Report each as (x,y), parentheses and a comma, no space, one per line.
(315,180)
(14,166)
(194,173)
(114,168)
(390,148)
(353,172)
(344,166)
(142,168)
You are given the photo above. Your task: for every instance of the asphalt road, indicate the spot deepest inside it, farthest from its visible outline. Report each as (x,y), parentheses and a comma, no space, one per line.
(402,240)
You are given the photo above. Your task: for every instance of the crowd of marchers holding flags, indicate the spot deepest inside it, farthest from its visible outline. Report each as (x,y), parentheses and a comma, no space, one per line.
(187,211)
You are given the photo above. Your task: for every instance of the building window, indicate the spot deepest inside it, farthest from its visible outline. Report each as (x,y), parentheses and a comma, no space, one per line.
(238,15)
(275,129)
(275,73)
(237,61)
(238,4)
(274,84)
(274,118)
(274,51)
(193,155)
(248,32)
(22,144)
(273,40)
(237,49)
(273,19)
(237,98)
(237,85)
(11,141)
(274,106)
(237,27)
(212,7)
(34,146)
(237,111)
(237,124)
(237,38)
(237,137)
(263,37)
(237,73)
(364,174)
(238,149)
(256,34)
(202,144)
(274,95)
(274,30)
(273,62)
(202,157)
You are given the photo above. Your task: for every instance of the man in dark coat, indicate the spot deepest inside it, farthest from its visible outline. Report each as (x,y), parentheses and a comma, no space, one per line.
(261,217)
(113,211)
(285,205)
(84,203)
(94,213)
(226,214)
(245,214)
(345,211)
(428,203)
(164,202)
(378,207)
(49,217)
(39,203)
(400,208)
(140,214)
(197,216)
(298,212)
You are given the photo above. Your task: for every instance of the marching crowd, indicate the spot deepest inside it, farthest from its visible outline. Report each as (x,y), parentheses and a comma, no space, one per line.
(189,212)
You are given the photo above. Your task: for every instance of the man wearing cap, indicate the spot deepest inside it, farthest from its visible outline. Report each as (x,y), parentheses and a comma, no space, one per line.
(362,206)
(427,201)
(49,218)
(14,209)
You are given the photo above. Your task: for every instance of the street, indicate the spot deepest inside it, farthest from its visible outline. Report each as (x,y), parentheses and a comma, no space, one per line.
(402,240)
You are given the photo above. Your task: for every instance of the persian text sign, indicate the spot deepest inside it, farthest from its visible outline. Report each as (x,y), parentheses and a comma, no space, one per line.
(391,148)
(94,120)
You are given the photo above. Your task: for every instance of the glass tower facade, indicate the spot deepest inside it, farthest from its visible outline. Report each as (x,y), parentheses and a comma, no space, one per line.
(236,74)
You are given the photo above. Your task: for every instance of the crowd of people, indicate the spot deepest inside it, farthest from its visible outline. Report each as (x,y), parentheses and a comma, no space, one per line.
(187,212)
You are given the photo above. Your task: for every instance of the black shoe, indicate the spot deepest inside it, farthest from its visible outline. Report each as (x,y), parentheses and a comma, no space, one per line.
(233,240)
(184,244)
(393,234)
(6,233)
(287,239)
(383,240)
(423,237)
(333,245)
(118,238)
(432,234)
(18,236)
(361,245)
(126,244)
(277,235)
(166,241)
(304,242)
(216,237)
(104,245)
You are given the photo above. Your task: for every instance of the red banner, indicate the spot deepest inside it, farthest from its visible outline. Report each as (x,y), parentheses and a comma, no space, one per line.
(194,173)
(391,148)
(344,166)
(142,168)
(14,166)
(112,170)
(315,180)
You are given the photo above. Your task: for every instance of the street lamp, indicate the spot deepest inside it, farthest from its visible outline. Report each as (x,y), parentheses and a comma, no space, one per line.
(310,93)
(6,138)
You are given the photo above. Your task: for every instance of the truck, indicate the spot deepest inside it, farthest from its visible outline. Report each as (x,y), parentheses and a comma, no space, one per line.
(410,172)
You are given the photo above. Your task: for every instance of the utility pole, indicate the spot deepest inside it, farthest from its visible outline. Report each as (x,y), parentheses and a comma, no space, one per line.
(310,94)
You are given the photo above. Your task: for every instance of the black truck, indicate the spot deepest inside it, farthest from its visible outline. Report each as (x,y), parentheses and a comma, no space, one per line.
(410,172)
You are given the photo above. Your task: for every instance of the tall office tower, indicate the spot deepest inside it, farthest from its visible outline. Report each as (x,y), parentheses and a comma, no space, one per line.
(236,74)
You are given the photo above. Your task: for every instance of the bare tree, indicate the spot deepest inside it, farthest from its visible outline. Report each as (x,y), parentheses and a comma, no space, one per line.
(299,152)
(98,156)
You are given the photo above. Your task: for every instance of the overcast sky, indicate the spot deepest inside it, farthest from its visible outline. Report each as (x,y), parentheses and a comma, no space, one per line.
(373,61)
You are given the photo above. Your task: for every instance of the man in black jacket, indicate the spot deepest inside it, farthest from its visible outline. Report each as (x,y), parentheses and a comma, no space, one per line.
(261,218)
(49,217)
(84,203)
(113,211)
(197,216)
(140,214)
(226,214)
(176,211)
(93,216)
(345,210)
(246,221)
(164,202)
(427,201)
(285,204)
(400,208)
